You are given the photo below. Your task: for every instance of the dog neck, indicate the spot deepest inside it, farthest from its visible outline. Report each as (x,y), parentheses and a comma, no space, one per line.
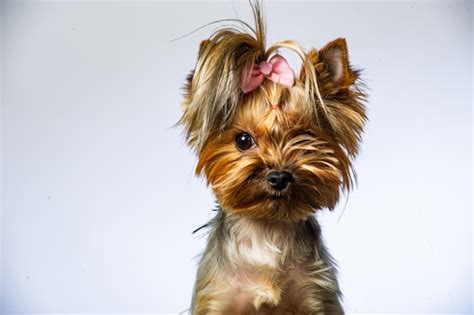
(265,244)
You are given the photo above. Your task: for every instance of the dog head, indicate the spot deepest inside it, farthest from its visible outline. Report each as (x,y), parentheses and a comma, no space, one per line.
(273,148)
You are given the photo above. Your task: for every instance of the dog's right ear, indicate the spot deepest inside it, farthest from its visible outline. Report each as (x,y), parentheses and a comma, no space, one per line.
(204,44)
(212,91)
(189,79)
(192,118)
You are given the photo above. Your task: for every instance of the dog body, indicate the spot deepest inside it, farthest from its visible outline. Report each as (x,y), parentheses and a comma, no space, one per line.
(274,149)
(274,268)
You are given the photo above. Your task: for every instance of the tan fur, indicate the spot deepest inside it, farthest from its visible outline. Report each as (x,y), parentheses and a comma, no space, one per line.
(265,254)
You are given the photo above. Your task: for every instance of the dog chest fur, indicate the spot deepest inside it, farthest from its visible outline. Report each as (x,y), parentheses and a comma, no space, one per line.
(261,267)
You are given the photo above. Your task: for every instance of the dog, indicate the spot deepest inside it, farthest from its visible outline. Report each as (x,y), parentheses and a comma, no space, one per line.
(275,148)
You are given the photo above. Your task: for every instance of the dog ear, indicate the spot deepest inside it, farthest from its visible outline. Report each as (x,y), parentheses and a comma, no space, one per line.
(343,113)
(189,79)
(335,57)
(212,91)
(204,44)
(200,114)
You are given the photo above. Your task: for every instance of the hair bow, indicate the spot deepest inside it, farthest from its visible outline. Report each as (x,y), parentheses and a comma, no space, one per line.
(276,70)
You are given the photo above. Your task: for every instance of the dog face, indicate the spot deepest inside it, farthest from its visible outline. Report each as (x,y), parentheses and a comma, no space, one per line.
(272,162)
(276,153)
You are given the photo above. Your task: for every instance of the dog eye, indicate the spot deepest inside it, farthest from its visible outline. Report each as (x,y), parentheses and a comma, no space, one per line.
(244,141)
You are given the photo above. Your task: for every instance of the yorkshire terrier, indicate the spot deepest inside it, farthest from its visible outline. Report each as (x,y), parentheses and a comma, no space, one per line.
(274,148)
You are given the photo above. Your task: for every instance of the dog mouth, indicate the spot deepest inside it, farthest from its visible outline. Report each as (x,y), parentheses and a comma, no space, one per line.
(258,199)
(282,194)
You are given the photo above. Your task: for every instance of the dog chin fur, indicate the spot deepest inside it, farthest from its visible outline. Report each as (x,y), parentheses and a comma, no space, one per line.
(273,157)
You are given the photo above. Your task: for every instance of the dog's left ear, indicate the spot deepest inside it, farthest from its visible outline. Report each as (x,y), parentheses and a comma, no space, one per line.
(343,115)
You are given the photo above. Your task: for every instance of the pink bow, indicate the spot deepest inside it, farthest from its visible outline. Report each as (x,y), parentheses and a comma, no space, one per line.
(276,70)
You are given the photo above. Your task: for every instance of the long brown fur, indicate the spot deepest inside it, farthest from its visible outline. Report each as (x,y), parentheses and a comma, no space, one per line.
(265,254)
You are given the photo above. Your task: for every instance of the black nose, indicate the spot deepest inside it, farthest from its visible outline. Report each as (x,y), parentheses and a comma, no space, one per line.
(279,180)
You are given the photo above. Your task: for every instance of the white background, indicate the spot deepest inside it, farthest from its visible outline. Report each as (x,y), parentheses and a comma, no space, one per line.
(98,193)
